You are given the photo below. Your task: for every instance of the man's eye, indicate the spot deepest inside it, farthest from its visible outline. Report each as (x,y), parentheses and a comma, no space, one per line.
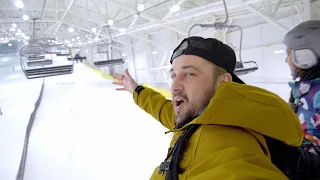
(173,76)
(189,74)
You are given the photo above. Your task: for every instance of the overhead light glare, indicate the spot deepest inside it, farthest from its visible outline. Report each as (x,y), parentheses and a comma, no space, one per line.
(25,17)
(71,30)
(122,30)
(279,51)
(19,4)
(174,8)
(110,22)
(140,7)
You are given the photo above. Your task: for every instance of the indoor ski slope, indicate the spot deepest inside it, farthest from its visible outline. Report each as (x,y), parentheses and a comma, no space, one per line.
(17,98)
(84,130)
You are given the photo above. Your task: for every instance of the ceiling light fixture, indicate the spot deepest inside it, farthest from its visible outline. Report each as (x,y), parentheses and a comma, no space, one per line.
(174,8)
(279,51)
(25,17)
(140,7)
(12,29)
(122,30)
(14,25)
(155,52)
(110,22)
(94,30)
(19,4)
(71,30)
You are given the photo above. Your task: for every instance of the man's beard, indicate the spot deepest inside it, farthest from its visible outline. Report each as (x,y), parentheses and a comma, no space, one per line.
(185,117)
(193,108)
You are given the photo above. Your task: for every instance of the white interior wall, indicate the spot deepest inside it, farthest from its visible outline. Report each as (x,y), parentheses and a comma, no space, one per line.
(273,73)
(259,44)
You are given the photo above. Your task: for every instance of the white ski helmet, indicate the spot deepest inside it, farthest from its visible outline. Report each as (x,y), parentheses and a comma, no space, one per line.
(304,40)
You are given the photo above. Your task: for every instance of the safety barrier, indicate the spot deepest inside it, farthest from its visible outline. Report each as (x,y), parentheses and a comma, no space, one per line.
(20,174)
(164,92)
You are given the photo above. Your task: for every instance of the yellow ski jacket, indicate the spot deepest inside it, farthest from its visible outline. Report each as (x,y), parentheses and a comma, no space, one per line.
(230,143)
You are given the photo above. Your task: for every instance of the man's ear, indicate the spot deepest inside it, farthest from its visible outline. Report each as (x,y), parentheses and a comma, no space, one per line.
(226,77)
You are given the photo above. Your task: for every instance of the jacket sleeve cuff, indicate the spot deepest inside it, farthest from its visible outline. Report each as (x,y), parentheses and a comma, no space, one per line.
(139,89)
(136,93)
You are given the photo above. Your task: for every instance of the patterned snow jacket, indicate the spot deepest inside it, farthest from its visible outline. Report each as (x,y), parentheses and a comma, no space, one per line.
(307,106)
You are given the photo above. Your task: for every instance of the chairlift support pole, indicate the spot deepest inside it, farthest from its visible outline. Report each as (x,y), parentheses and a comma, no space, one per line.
(34,28)
(223,25)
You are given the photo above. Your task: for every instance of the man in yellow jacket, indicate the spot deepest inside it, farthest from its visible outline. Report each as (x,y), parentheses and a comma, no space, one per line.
(220,124)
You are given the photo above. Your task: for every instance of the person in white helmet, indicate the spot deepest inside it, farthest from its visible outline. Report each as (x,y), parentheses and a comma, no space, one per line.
(303,55)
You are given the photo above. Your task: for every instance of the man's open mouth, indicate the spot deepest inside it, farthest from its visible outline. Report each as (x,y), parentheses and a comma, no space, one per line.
(178,102)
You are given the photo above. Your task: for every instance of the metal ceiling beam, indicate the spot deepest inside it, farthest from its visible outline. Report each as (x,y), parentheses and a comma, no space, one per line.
(133,22)
(306,10)
(316,10)
(89,31)
(132,35)
(18,21)
(129,9)
(299,10)
(31,9)
(49,29)
(165,17)
(64,15)
(274,12)
(4,31)
(266,6)
(86,18)
(264,16)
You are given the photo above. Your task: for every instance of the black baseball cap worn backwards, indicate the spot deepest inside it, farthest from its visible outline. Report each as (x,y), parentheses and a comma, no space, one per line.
(210,49)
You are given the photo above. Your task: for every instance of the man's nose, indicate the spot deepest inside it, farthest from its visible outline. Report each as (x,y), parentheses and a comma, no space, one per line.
(176,85)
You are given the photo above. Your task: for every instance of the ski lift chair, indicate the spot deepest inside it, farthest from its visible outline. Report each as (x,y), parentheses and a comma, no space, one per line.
(35,66)
(111,62)
(240,68)
(39,60)
(106,62)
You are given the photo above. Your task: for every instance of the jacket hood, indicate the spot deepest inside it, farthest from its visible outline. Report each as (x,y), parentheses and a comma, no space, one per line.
(254,109)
